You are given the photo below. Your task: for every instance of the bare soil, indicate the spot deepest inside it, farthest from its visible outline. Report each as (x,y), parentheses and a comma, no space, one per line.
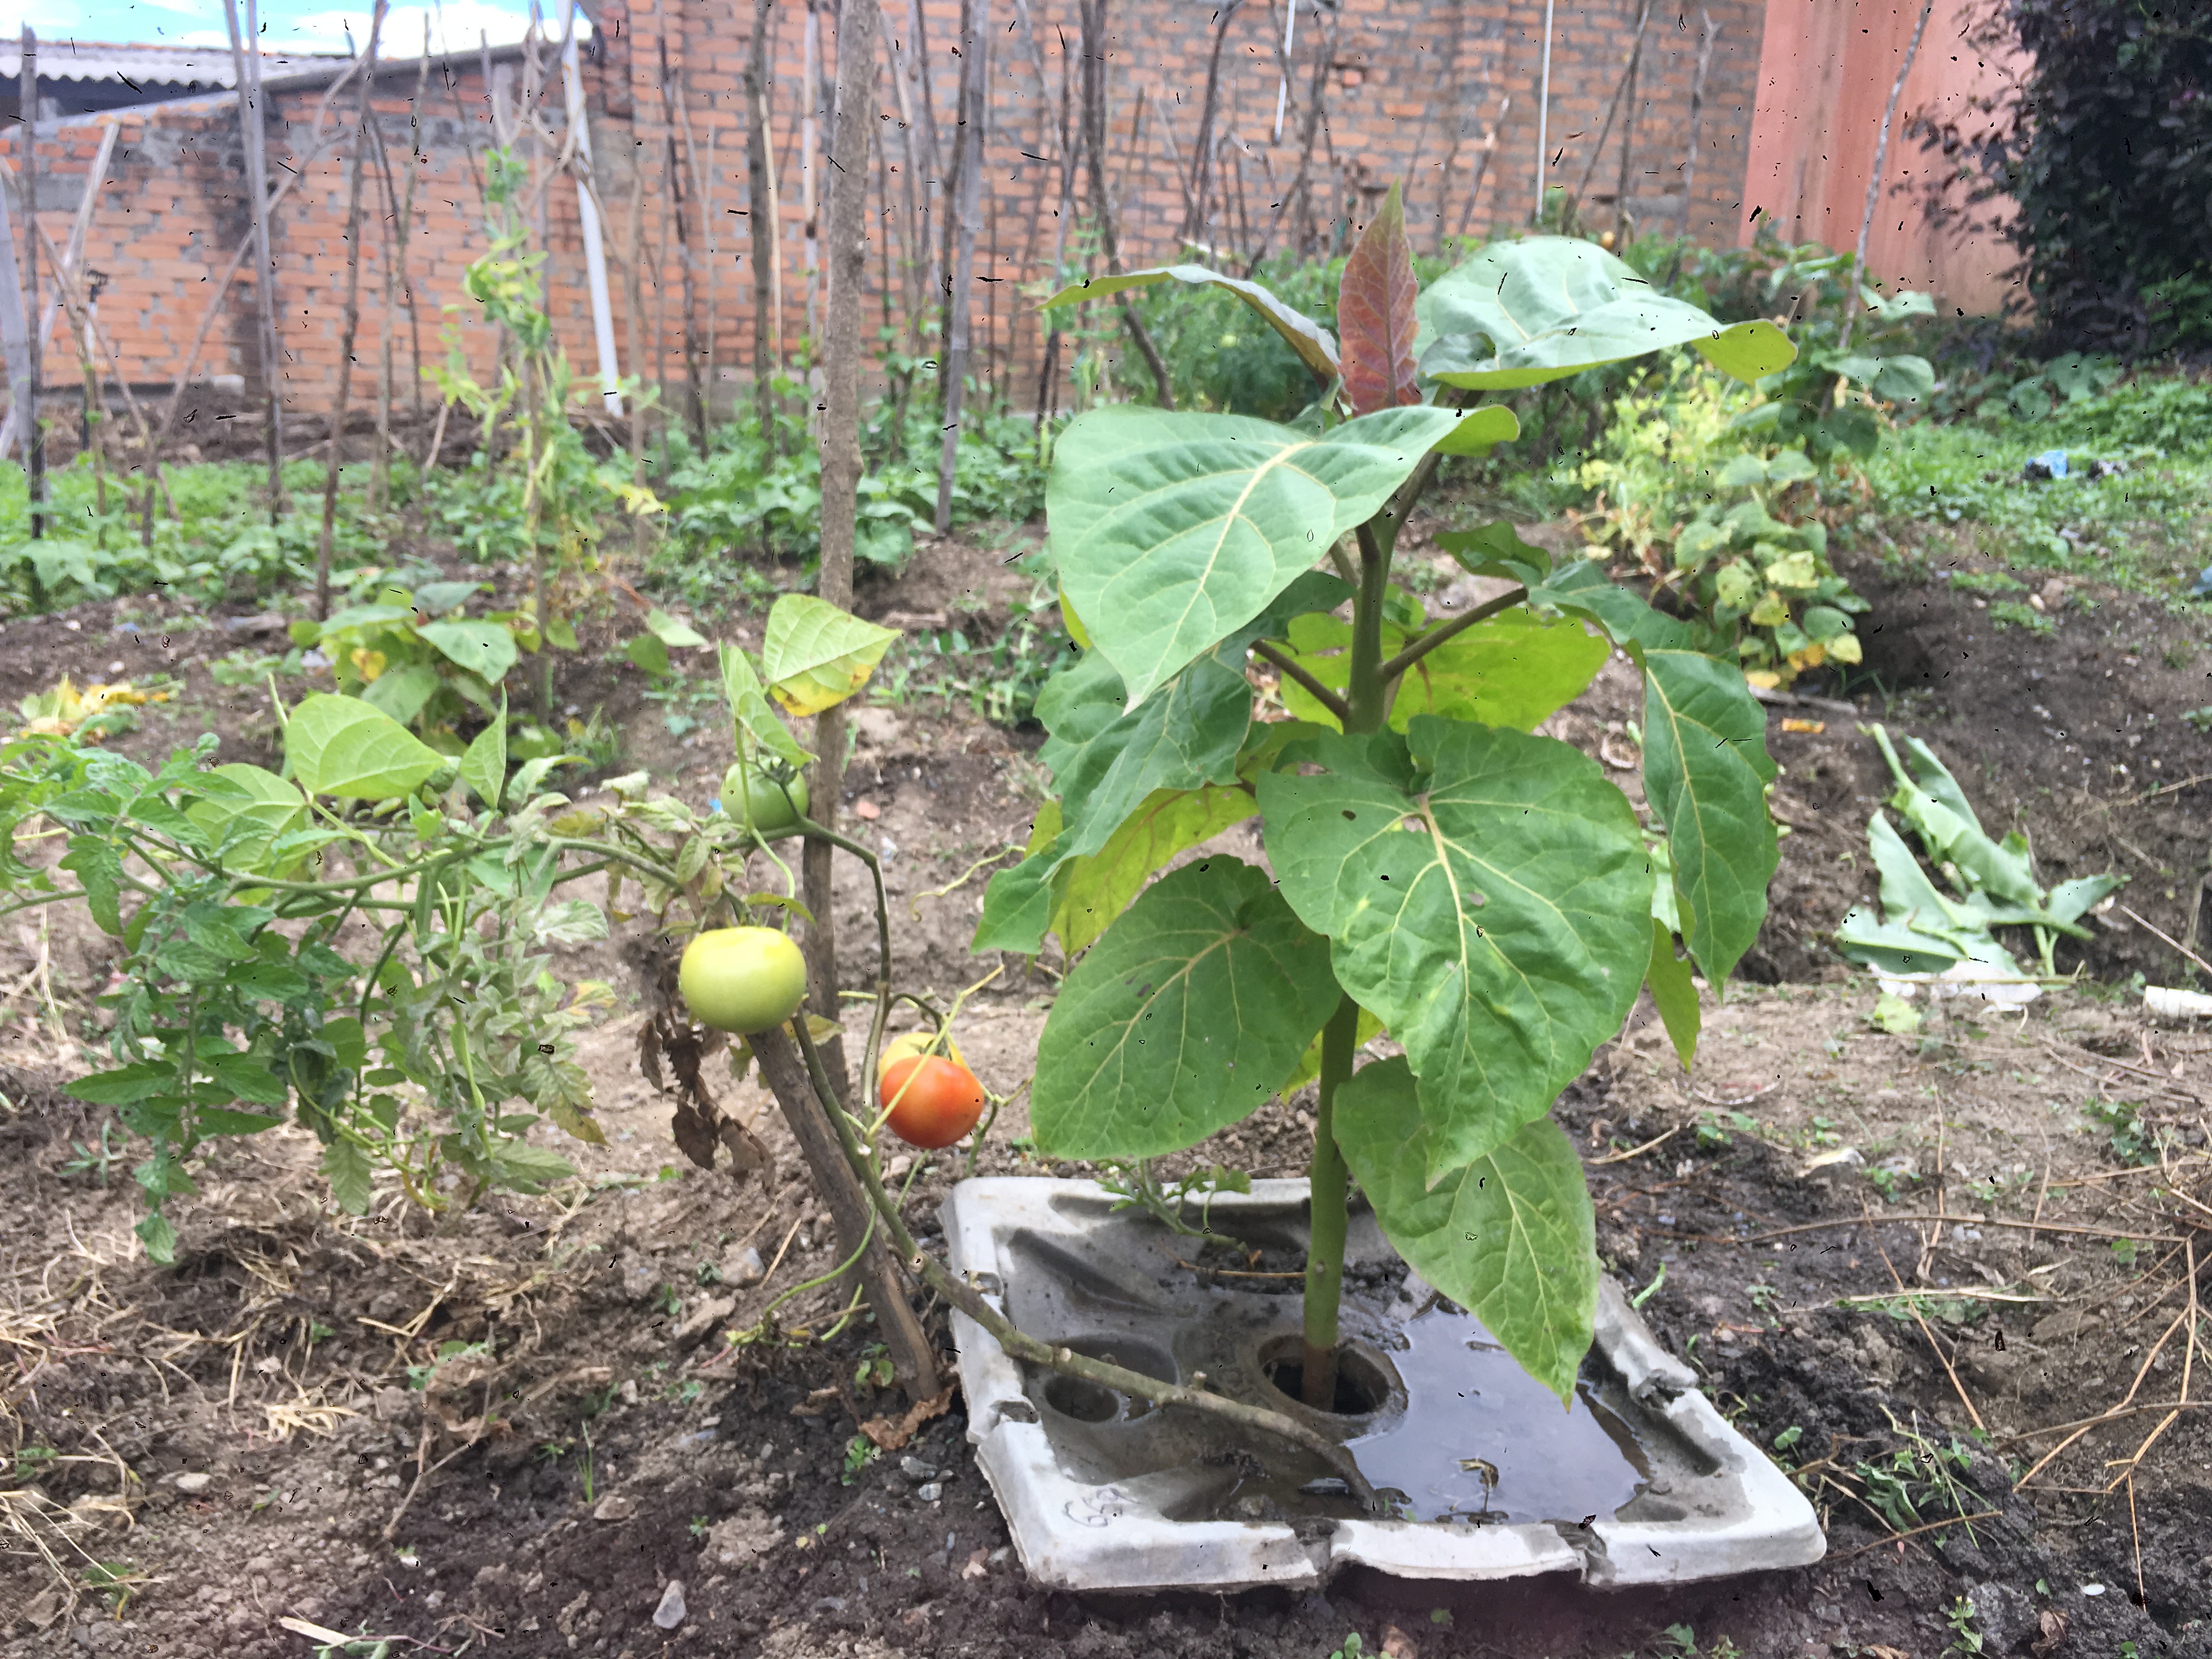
(266,1430)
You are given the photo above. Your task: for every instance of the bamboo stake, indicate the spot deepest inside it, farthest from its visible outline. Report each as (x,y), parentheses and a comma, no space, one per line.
(252,125)
(34,430)
(406,226)
(914,240)
(809,250)
(634,309)
(352,322)
(975,89)
(1612,107)
(671,99)
(1482,166)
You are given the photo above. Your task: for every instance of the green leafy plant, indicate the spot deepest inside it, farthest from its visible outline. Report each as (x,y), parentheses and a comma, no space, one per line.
(1762,583)
(414,657)
(859,1452)
(1922,930)
(1505,936)
(1965,1638)
(434,1049)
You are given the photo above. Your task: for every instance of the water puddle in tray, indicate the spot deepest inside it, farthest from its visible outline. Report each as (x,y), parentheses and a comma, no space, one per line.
(1482,1439)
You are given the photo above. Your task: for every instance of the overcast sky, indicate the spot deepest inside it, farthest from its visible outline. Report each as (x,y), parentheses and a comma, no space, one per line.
(287,25)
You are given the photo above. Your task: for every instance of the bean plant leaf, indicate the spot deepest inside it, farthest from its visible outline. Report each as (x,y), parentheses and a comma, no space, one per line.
(243,810)
(1510,1236)
(1174,530)
(1674,993)
(757,726)
(1488,896)
(1315,346)
(814,655)
(1182,1020)
(1523,312)
(484,648)
(483,767)
(401,693)
(341,746)
(1375,309)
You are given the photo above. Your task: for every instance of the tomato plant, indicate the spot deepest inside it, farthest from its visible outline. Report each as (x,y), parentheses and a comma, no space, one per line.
(363,940)
(1484,895)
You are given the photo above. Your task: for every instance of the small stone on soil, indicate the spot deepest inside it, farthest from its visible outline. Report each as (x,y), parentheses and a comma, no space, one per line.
(670,1613)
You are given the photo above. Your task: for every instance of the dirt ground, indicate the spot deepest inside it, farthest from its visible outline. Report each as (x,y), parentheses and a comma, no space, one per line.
(515,1432)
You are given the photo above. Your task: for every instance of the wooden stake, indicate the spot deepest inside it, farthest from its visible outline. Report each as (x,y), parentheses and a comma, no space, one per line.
(352,323)
(760,175)
(975,116)
(785,1073)
(671,106)
(1706,34)
(253,134)
(1620,227)
(34,429)
(633,307)
(838,433)
(1201,151)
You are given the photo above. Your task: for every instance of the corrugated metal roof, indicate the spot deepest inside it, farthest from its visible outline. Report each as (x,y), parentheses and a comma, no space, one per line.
(164,66)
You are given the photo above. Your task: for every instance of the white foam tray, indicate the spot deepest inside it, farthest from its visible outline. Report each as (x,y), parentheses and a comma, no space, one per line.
(1077,1535)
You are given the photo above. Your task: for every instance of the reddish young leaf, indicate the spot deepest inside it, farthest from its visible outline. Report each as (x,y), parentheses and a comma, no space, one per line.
(1374,313)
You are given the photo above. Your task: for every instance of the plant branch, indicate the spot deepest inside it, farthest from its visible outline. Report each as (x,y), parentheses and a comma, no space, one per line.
(1320,694)
(1444,633)
(1020,1346)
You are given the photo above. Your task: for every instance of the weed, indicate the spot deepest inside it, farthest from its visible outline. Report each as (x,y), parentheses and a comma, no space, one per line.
(2006,613)
(700,1526)
(98,1163)
(2200,720)
(1965,1638)
(2130,1140)
(31,1460)
(859,1452)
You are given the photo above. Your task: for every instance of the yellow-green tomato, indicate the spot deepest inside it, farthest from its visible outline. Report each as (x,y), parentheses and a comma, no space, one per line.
(742,979)
(764,803)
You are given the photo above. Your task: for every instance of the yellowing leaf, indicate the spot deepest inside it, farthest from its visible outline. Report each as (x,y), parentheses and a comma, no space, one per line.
(816,655)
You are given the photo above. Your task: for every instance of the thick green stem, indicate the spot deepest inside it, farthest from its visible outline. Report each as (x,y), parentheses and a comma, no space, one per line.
(1367,703)
(1339,1040)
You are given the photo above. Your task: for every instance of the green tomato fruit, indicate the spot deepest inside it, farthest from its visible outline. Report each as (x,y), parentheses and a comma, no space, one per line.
(763,804)
(742,979)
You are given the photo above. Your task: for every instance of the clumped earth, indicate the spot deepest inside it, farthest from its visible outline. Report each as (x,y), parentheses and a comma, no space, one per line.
(525,1430)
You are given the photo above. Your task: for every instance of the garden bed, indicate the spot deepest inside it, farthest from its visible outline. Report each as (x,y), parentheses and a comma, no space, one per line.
(274,1358)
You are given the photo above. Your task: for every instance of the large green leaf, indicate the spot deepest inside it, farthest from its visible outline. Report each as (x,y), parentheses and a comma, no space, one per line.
(484,648)
(1480,431)
(1706,764)
(1315,346)
(1523,312)
(1107,762)
(1511,1236)
(1513,669)
(341,746)
(1182,1020)
(1174,530)
(814,655)
(1501,940)
(1077,897)
(1705,773)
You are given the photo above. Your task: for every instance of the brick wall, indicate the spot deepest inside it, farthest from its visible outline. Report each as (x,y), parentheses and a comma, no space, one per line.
(1411,88)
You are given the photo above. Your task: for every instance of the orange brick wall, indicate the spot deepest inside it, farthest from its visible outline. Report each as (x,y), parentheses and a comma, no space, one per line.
(1413,85)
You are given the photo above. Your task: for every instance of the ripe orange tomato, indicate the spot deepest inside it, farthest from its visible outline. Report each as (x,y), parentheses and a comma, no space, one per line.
(932,1101)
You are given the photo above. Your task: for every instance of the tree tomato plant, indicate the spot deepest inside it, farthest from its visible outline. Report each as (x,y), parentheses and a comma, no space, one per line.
(1484,895)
